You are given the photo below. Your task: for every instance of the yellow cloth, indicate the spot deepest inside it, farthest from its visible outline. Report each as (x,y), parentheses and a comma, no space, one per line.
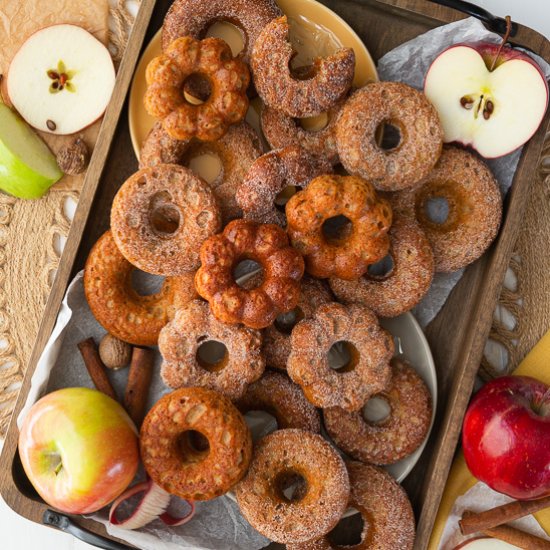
(536,364)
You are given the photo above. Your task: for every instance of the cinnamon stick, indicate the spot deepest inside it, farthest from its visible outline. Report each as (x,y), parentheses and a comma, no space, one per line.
(95,367)
(139,380)
(518,538)
(472,522)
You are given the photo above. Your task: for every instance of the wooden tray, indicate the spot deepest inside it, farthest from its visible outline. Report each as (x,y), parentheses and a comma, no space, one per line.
(457,335)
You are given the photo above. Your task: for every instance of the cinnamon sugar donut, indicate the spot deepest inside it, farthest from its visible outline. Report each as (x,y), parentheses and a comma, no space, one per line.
(327,82)
(395,437)
(359,241)
(161,216)
(367,371)
(178,459)
(278,292)
(388,518)
(408,110)
(314,509)
(270,175)
(236,150)
(474,208)
(313,293)
(210,58)
(118,308)
(407,282)
(194,17)
(281,130)
(193,326)
(275,394)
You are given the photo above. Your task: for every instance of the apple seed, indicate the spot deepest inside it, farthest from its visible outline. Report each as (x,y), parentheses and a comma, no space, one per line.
(466,102)
(51,125)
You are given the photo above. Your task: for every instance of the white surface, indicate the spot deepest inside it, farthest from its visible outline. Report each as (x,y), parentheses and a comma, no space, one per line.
(20,534)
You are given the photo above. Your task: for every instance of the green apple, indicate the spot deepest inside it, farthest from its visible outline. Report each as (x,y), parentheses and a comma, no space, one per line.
(27,167)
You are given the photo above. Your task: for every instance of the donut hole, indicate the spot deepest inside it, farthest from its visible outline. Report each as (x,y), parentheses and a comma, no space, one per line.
(164,215)
(436,210)
(389,135)
(197,88)
(248,274)
(349,531)
(376,411)
(261,422)
(145,284)
(284,196)
(193,446)
(207,165)
(314,123)
(382,269)
(230,32)
(285,322)
(343,356)
(290,486)
(212,355)
(337,229)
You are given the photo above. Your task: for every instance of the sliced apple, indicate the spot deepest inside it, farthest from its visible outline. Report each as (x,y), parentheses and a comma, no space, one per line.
(486,543)
(61,79)
(27,167)
(489,98)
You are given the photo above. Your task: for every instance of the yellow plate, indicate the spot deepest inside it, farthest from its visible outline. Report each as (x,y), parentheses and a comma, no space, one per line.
(307,13)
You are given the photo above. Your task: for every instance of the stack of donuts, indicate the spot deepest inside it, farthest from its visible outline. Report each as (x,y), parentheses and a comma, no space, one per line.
(355,239)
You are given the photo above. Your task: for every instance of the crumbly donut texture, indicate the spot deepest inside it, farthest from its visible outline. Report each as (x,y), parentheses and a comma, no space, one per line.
(474,208)
(281,455)
(193,326)
(175,463)
(331,79)
(118,308)
(408,281)
(161,216)
(368,371)
(421,135)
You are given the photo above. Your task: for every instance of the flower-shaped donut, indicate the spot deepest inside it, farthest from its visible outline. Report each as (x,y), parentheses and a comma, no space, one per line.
(211,59)
(277,292)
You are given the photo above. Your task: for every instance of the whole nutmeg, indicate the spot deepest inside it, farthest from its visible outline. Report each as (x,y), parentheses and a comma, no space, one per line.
(114,353)
(73,158)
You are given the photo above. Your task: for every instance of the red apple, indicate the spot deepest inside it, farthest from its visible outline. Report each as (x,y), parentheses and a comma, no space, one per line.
(79,449)
(492,101)
(506,436)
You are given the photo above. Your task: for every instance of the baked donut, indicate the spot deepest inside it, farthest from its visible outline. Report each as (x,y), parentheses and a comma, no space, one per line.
(358,234)
(405,284)
(236,150)
(367,371)
(407,110)
(210,58)
(270,175)
(194,17)
(276,348)
(388,517)
(281,130)
(276,394)
(193,326)
(281,459)
(161,216)
(396,436)
(474,208)
(278,292)
(324,85)
(195,444)
(118,308)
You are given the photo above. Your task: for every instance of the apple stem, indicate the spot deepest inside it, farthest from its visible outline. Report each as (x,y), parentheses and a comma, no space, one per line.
(504,40)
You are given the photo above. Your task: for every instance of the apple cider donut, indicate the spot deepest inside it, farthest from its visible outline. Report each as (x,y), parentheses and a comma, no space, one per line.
(403,107)
(277,292)
(118,308)
(195,444)
(408,280)
(270,176)
(313,293)
(340,225)
(194,326)
(367,371)
(236,151)
(281,459)
(327,83)
(210,58)
(161,216)
(194,17)
(386,510)
(474,204)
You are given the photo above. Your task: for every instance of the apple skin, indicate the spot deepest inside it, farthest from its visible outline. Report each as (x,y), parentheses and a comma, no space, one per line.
(95,440)
(506,436)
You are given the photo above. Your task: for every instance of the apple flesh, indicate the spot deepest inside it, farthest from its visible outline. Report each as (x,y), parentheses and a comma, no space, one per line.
(61,79)
(506,437)
(79,449)
(492,108)
(485,543)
